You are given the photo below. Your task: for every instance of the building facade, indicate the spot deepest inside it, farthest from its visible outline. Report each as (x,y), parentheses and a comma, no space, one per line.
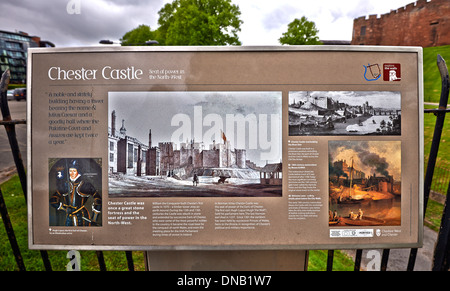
(13,53)
(127,155)
(192,155)
(423,23)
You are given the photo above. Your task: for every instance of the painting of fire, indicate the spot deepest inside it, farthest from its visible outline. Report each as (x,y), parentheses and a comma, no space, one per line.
(364,183)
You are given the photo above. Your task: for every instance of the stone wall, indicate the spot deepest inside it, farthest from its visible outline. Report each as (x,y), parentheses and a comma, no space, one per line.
(421,23)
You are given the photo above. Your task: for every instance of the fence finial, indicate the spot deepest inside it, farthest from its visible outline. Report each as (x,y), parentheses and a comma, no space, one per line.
(443,70)
(5,81)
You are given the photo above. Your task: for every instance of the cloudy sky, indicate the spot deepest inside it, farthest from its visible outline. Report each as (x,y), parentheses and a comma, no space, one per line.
(264,20)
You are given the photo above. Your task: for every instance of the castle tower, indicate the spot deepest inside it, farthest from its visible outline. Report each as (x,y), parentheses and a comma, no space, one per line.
(150,139)
(241,157)
(123,130)
(113,123)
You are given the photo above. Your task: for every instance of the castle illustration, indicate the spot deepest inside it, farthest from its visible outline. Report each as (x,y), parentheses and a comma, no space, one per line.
(130,156)
(193,155)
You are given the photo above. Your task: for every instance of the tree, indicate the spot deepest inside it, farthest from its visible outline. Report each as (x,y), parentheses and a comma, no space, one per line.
(199,22)
(138,36)
(301,32)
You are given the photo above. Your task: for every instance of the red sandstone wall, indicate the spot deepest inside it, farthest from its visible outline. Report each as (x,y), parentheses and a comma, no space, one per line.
(421,23)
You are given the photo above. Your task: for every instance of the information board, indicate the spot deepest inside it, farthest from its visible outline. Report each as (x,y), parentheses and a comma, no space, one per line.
(199,148)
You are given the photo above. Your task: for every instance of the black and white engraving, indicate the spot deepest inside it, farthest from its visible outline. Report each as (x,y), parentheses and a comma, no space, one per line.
(195,144)
(344,113)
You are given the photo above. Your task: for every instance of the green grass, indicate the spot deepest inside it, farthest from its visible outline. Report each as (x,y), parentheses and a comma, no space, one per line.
(432,92)
(433,215)
(432,78)
(444,146)
(14,86)
(317,261)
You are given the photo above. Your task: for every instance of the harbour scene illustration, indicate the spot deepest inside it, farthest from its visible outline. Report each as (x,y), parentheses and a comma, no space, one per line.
(344,113)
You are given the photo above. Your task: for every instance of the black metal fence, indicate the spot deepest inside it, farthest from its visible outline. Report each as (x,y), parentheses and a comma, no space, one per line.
(441,178)
(441,260)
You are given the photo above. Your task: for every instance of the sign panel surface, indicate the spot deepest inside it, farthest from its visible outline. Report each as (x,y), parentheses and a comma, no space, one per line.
(225,148)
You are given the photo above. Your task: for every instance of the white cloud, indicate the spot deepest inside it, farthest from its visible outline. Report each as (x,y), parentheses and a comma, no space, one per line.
(334,19)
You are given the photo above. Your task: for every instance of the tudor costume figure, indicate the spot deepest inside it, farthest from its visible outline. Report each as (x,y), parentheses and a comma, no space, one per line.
(71,196)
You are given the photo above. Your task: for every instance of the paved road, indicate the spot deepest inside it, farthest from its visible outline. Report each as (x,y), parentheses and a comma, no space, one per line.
(432,103)
(18,111)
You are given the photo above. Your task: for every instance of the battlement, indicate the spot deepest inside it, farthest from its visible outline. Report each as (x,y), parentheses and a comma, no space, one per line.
(405,9)
(422,23)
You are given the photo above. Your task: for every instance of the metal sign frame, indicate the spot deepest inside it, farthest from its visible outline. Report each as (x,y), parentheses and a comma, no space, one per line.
(53,70)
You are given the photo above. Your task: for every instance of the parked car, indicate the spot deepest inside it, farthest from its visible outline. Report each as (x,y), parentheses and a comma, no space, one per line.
(20,93)
(10,94)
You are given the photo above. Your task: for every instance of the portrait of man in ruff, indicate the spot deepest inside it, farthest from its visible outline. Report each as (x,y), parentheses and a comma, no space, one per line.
(75,192)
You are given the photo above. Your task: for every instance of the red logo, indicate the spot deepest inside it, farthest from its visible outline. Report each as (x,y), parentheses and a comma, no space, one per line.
(392,72)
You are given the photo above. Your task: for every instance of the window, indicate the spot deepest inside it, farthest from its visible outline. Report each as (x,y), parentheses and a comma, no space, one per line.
(130,155)
(363,30)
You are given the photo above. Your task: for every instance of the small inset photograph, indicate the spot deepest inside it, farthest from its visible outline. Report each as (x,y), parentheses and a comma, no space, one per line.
(364,183)
(75,191)
(349,113)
